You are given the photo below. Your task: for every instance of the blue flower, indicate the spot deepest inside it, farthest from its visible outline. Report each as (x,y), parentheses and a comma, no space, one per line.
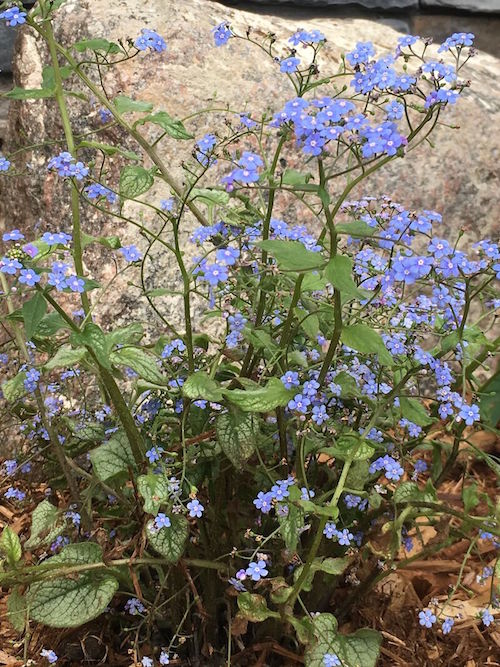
(164,659)
(49,655)
(14,494)
(264,502)
(67,167)
(195,508)
(29,277)
(215,274)
(457,39)
(299,403)
(407,40)
(14,234)
(361,54)
(149,39)
(290,379)
(56,238)
(75,284)
(97,190)
(147,662)
(131,253)
(222,34)
(10,266)
(227,256)
(289,65)
(447,625)
(257,570)
(4,163)
(469,413)
(134,606)
(154,454)
(330,531)
(14,16)
(426,618)
(160,521)
(394,110)
(331,660)
(306,37)
(487,617)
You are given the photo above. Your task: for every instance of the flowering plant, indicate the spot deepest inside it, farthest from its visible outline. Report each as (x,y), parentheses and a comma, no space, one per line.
(290,431)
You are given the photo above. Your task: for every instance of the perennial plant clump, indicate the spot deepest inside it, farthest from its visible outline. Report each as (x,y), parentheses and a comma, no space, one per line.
(255,471)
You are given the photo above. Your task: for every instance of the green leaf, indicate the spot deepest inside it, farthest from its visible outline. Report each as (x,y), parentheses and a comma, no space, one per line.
(339,273)
(143,363)
(109,149)
(135,181)
(48,80)
(291,525)
(360,649)
(358,229)
(333,566)
(93,337)
(169,542)
(410,491)
(97,44)
(155,490)
(13,389)
(294,177)
(364,339)
(254,608)
(260,399)
(46,525)
(132,333)
(16,610)
(412,409)
(66,357)
(62,602)
(347,384)
(172,127)
(10,546)
(470,497)
(350,446)
(292,255)
(200,385)
(210,196)
(237,434)
(113,459)
(29,93)
(50,325)
(124,104)
(490,401)
(309,323)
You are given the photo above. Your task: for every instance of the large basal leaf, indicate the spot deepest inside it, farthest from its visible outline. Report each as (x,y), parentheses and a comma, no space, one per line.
(135,181)
(13,389)
(143,363)
(261,399)
(113,459)
(201,386)
(46,525)
(169,542)
(254,607)
(33,313)
(292,255)
(155,490)
(16,610)
(237,434)
(364,339)
(65,602)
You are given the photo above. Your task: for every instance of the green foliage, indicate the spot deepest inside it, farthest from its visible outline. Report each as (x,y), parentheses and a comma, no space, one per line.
(34,311)
(364,339)
(135,181)
(292,255)
(169,542)
(237,434)
(46,525)
(10,546)
(113,461)
(174,128)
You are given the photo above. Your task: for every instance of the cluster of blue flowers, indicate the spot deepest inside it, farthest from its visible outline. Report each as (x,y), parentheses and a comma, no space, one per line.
(149,39)
(67,166)
(13,16)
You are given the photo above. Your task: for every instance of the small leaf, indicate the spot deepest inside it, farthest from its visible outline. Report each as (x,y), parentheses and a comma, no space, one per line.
(29,93)
(172,127)
(66,357)
(10,546)
(124,104)
(350,446)
(46,525)
(357,229)
(364,339)
(294,177)
(50,325)
(261,399)
(169,542)
(201,386)
(334,566)
(292,255)
(237,434)
(470,497)
(210,196)
(143,363)
(16,610)
(48,80)
(33,312)
(109,149)
(97,44)
(360,649)
(254,607)
(68,602)
(413,410)
(132,333)
(339,273)
(93,337)
(135,181)
(291,525)
(113,459)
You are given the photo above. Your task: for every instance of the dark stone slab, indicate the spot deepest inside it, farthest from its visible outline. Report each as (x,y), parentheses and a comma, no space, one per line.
(490,6)
(7,37)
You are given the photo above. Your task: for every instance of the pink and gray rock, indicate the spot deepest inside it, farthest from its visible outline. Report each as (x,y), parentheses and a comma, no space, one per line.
(458,176)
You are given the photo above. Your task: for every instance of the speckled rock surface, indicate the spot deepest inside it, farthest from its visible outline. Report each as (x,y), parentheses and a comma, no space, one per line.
(458,177)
